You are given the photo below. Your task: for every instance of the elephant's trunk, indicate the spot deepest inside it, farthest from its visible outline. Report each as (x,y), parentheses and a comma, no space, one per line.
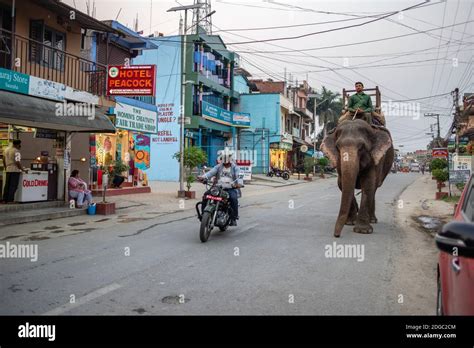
(349,171)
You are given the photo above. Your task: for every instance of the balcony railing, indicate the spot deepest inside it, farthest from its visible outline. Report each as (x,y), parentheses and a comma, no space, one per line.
(38,59)
(304,112)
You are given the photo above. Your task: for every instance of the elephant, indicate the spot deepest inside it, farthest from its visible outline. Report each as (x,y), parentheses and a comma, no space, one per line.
(363,155)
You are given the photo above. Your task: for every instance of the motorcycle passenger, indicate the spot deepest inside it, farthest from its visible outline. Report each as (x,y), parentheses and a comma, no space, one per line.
(226,171)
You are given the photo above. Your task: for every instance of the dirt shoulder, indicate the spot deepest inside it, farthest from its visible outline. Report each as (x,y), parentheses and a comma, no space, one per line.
(418,216)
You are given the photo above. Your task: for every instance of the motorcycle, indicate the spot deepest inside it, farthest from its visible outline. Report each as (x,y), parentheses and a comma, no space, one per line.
(278,173)
(218,211)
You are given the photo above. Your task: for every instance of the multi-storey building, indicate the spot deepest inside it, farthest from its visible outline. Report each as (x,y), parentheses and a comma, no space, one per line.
(280,126)
(46,87)
(210,104)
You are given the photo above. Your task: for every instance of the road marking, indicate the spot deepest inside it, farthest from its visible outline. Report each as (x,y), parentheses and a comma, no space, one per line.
(83,300)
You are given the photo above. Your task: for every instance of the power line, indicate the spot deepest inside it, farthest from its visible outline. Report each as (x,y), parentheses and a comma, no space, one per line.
(355,43)
(287,26)
(331,30)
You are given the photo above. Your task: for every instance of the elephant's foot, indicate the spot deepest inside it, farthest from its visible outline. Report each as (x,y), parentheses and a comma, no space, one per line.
(373,220)
(363,228)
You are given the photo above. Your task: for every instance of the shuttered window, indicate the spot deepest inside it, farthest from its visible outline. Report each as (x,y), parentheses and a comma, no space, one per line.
(47,46)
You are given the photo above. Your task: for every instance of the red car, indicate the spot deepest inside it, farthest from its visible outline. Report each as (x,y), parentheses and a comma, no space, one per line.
(456,259)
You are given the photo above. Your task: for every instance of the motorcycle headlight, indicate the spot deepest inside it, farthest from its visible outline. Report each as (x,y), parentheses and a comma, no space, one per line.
(215,191)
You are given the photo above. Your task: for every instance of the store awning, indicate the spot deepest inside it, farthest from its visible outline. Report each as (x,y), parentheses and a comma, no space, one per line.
(23,110)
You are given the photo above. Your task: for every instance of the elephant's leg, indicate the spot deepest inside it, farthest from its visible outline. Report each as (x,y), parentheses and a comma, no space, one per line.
(353,213)
(368,191)
(373,218)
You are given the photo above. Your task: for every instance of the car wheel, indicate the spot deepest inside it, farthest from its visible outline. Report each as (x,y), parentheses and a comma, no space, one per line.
(439,300)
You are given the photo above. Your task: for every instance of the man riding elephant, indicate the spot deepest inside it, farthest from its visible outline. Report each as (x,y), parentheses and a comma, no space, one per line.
(360,106)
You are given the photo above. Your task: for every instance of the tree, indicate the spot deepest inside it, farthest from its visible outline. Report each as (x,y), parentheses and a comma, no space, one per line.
(323,163)
(193,157)
(329,107)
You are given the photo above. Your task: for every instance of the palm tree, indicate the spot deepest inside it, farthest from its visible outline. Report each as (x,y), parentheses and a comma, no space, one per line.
(329,107)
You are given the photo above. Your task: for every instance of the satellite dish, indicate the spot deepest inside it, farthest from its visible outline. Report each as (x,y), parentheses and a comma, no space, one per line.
(304,148)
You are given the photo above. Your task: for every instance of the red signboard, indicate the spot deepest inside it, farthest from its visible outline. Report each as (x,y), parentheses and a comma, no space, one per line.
(131,80)
(439,153)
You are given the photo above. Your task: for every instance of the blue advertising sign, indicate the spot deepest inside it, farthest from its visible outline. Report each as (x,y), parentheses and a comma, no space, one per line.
(14,81)
(241,119)
(216,114)
(229,118)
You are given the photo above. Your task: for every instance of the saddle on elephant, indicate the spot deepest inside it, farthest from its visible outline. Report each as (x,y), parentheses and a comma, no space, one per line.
(373,117)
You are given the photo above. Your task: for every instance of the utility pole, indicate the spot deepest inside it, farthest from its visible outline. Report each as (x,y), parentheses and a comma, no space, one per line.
(437,125)
(181,192)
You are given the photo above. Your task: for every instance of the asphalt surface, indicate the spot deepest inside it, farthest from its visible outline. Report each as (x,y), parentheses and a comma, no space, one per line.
(274,262)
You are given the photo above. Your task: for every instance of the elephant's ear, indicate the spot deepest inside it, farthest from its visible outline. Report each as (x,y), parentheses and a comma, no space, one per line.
(383,142)
(328,147)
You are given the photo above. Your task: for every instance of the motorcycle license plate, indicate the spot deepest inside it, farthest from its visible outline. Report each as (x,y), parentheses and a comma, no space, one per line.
(214,198)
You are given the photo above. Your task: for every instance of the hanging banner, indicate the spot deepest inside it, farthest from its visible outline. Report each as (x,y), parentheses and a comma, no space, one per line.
(142,151)
(131,80)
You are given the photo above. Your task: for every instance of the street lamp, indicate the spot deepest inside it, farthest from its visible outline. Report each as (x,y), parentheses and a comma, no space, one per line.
(181,192)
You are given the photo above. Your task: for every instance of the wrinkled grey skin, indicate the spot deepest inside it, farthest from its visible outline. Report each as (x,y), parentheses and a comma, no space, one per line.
(363,156)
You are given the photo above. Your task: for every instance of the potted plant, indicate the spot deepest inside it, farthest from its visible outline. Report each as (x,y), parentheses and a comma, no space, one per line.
(441,175)
(117,170)
(309,163)
(323,163)
(438,163)
(193,157)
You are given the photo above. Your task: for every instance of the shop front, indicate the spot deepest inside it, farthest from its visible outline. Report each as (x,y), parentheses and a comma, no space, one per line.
(46,143)
(280,152)
(124,155)
(279,155)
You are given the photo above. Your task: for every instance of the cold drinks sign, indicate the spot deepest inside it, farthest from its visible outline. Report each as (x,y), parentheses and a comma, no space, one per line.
(133,80)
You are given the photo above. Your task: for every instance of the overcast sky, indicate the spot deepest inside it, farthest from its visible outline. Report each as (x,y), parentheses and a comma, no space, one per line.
(413,66)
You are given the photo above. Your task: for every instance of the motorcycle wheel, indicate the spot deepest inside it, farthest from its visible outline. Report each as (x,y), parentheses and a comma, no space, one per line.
(286,176)
(270,174)
(205,230)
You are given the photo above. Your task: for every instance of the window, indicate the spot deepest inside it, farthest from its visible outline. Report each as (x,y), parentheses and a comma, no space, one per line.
(468,206)
(83,38)
(47,46)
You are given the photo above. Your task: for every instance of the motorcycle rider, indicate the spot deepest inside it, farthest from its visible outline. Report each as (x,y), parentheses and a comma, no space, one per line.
(226,169)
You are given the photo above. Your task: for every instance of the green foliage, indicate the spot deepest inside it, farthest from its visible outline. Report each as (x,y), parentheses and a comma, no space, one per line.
(439,163)
(190,179)
(309,162)
(323,162)
(460,186)
(440,175)
(193,157)
(118,167)
(328,107)
(452,199)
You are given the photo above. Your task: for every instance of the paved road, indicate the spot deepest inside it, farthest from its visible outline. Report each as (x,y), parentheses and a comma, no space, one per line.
(273,263)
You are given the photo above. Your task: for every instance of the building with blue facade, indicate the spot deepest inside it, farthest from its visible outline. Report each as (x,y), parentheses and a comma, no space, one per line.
(211,105)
